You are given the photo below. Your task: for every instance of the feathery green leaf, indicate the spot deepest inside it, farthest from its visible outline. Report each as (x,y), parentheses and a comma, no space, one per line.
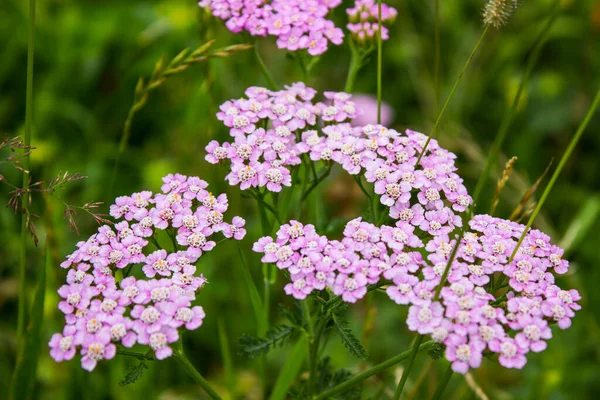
(252,346)
(351,342)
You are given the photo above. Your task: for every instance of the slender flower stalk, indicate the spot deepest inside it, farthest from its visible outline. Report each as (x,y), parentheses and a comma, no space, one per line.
(510,115)
(379,62)
(436,68)
(561,164)
(374,370)
(356,62)
(442,386)
(22,314)
(182,359)
(406,372)
(265,70)
(462,72)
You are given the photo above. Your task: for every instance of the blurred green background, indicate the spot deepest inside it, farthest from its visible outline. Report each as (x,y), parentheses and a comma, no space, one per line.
(88,57)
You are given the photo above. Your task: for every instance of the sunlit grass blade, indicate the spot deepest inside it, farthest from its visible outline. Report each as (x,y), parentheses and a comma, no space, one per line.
(558,170)
(255,300)
(227,359)
(581,224)
(290,370)
(452,91)
(23,380)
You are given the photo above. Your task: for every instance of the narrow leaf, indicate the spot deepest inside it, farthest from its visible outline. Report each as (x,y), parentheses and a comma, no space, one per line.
(581,224)
(23,380)
(261,322)
(226,354)
(290,370)
(350,341)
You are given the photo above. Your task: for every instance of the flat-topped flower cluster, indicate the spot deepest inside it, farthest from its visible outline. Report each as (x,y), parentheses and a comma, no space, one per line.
(124,288)
(300,24)
(272,129)
(267,127)
(471,315)
(297,24)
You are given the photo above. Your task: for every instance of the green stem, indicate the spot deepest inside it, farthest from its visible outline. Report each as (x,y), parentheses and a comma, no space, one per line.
(22,313)
(193,372)
(356,61)
(510,115)
(139,356)
(406,372)
(438,290)
(436,68)
(379,61)
(316,182)
(445,379)
(554,177)
(374,370)
(441,114)
(263,67)
(314,341)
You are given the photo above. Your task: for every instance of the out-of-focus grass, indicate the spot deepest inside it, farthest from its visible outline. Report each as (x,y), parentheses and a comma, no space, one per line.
(89,56)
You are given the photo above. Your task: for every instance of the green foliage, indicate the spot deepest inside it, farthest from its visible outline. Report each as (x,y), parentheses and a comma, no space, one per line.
(251,346)
(255,300)
(349,339)
(134,373)
(437,352)
(328,378)
(290,370)
(89,56)
(26,370)
(294,314)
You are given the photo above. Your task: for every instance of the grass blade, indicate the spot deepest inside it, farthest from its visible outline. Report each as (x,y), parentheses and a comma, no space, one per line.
(226,354)
(23,380)
(581,224)
(290,370)
(255,300)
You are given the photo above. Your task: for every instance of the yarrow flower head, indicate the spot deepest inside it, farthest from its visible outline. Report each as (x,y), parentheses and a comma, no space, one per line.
(268,128)
(364,20)
(155,298)
(297,24)
(408,260)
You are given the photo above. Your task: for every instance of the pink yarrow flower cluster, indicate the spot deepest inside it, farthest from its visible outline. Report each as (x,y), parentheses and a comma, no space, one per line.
(510,320)
(297,24)
(364,20)
(155,299)
(430,192)
(269,128)
(468,318)
(366,255)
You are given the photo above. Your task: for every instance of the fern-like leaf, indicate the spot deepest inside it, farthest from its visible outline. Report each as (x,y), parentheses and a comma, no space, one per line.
(134,373)
(293,315)
(252,346)
(351,342)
